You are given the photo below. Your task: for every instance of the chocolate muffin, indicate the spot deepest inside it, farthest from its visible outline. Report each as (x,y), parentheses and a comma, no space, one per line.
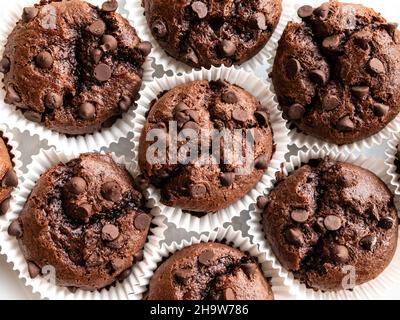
(72,66)
(336,74)
(8,177)
(328,216)
(84,219)
(211,180)
(209,271)
(212,32)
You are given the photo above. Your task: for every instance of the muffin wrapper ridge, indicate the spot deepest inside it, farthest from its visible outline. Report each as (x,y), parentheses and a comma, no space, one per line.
(136,15)
(280,135)
(11,12)
(385,284)
(42,285)
(302,140)
(154,256)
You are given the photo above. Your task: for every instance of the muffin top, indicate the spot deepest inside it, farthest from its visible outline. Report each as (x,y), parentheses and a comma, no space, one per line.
(72,66)
(209,179)
(212,32)
(209,271)
(328,216)
(84,219)
(336,74)
(8,177)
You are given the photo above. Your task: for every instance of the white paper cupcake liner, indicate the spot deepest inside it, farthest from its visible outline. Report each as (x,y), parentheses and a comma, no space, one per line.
(11,13)
(136,15)
(155,255)
(13,146)
(378,288)
(9,245)
(303,140)
(391,153)
(280,135)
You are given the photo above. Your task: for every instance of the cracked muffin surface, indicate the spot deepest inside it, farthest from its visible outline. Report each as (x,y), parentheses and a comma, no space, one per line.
(212,32)
(84,219)
(72,66)
(205,181)
(209,271)
(327,216)
(336,73)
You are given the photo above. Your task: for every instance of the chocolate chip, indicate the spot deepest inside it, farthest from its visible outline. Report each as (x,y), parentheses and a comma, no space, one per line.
(330,102)
(229,294)
(360,91)
(102,72)
(191,56)
(293,68)
(4,65)
(262,118)
(125,274)
(44,60)
(296,112)
(145,47)
(200,8)
(305,11)
(97,28)
(76,185)
(111,191)
(109,232)
(362,40)
(227,178)
(194,115)
(12,96)
(110,6)
(294,236)
(53,100)
(340,254)
(138,256)
(206,257)
(181,118)
(240,115)
(331,43)
(29,13)
(332,223)
(182,275)
(249,269)
(262,163)
(258,21)
(10,179)
(191,125)
(345,124)
(95,55)
(87,111)
(141,183)
(5,206)
(375,65)
(380,109)
(386,223)
(33,116)
(142,221)
(228,48)
(84,212)
(15,229)
(368,242)
(159,29)
(181,107)
(125,103)
(318,76)
(391,28)
(33,270)
(109,43)
(72,289)
(299,215)
(322,11)
(229,97)
(262,202)
(198,190)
